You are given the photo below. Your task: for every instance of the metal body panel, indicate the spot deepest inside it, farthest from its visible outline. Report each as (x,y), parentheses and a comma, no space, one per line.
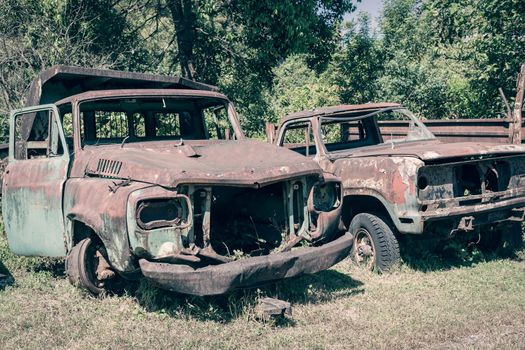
(91,202)
(241,163)
(32,191)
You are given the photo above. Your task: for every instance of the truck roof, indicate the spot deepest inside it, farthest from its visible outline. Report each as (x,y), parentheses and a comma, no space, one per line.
(339,111)
(104,94)
(59,82)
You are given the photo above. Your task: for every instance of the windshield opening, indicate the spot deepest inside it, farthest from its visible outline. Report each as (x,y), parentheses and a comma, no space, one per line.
(154,118)
(379,127)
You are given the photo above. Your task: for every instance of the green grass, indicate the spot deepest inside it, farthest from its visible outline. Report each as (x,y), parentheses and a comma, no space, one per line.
(476,304)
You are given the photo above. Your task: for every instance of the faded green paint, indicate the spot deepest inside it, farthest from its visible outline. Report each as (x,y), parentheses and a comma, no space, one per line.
(32,195)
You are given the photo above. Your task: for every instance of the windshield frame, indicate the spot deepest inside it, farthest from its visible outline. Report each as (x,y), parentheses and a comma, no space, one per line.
(76,103)
(341,119)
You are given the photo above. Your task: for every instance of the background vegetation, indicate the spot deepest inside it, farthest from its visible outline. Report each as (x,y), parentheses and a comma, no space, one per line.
(442,58)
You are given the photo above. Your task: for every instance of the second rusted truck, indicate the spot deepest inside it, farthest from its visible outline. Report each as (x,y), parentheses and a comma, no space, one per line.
(398,178)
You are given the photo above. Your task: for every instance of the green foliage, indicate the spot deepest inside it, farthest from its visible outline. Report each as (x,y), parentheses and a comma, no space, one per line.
(443,59)
(297,87)
(448,58)
(359,63)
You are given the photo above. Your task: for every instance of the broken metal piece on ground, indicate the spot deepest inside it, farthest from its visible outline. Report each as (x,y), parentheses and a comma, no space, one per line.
(271,307)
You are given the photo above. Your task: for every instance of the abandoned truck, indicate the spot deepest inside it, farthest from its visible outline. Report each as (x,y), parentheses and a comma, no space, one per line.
(132,175)
(399,179)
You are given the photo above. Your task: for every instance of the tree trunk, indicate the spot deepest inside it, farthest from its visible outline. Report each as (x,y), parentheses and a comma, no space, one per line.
(184,20)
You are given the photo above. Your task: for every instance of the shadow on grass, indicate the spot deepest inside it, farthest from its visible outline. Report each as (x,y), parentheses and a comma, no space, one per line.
(308,289)
(55,267)
(6,279)
(423,254)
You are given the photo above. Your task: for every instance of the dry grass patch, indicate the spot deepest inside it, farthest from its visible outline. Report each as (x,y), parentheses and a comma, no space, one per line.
(477,306)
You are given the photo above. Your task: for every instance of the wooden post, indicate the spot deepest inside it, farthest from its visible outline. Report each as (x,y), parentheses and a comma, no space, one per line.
(270,132)
(518,105)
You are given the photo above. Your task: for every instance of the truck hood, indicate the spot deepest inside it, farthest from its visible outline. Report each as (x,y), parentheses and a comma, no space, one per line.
(432,151)
(238,163)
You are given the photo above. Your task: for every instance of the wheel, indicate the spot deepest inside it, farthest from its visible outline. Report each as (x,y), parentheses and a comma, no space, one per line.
(375,246)
(87,267)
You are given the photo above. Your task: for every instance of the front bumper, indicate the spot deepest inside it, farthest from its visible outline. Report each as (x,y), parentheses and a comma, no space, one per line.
(219,279)
(467,222)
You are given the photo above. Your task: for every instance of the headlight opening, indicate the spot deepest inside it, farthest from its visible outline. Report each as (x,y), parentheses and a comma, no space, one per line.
(163,212)
(326,196)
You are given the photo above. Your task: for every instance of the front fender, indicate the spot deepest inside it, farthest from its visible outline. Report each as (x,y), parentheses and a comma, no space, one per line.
(391,180)
(101,204)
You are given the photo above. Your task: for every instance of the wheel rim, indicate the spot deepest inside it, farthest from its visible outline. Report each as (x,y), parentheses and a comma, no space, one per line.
(364,251)
(91,263)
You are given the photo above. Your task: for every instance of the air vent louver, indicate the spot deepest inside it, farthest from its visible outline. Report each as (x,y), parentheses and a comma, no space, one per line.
(109,167)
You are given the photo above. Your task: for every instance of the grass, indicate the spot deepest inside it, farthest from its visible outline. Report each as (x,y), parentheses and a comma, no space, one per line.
(476,303)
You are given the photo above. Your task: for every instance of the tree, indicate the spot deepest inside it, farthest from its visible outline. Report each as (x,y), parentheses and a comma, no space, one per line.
(184,20)
(448,58)
(297,87)
(35,35)
(359,63)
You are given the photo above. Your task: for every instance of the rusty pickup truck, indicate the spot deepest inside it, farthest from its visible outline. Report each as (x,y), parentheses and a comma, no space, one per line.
(398,178)
(132,175)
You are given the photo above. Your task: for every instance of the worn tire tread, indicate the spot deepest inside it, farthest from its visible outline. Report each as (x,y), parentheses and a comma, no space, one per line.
(75,267)
(387,247)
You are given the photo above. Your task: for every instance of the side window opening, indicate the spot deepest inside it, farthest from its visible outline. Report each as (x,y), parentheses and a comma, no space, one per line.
(66,117)
(42,140)
(340,135)
(299,138)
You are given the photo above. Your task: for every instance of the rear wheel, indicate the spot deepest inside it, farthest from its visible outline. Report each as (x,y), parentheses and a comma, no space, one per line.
(87,267)
(375,246)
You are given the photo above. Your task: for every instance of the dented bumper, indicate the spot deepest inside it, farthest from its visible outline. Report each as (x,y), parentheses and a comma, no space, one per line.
(219,279)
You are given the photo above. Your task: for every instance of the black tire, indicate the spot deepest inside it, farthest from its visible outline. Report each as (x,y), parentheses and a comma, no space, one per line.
(375,246)
(81,265)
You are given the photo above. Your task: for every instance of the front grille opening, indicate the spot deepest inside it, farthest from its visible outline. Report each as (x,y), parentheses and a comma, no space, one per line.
(468,181)
(468,184)
(298,205)
(243,221)
(497,177)
(491,180)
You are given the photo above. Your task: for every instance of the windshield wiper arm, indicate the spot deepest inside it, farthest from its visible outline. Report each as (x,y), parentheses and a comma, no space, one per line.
(124,141)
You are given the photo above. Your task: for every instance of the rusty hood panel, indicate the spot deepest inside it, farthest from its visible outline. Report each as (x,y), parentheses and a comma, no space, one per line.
(240,163)
(433,150)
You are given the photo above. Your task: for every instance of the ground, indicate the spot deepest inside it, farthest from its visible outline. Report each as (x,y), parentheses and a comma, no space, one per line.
(477,303)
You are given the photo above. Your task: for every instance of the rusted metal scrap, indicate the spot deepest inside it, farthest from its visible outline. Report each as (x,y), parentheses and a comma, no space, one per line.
(398,178)
(268,308)
(135,175)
